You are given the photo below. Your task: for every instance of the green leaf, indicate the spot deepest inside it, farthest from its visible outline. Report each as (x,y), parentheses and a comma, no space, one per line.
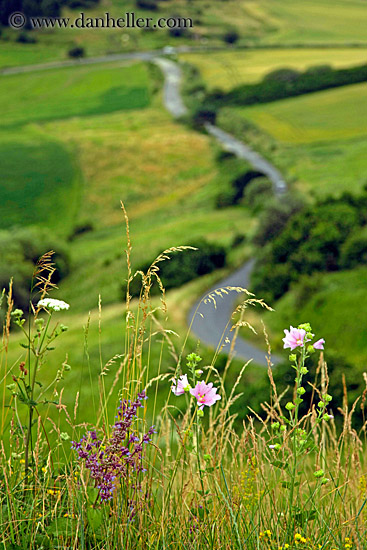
(95,518)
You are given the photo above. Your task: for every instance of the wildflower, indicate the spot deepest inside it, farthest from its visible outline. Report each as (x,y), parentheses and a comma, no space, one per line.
(53,305)
(181,384)
(121,455)
(319,344)
(294,338)
(205,394)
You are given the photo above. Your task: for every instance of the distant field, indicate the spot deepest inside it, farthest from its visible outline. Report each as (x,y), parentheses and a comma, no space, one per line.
(228,69)
(324,116)
(75,91)
(319,140)
(312,21)
(258,22)
(39,182)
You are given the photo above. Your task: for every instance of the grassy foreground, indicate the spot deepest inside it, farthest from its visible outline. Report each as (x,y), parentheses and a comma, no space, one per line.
(284,480)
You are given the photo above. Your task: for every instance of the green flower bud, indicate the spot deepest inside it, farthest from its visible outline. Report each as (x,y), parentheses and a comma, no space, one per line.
(283,428)
(324,480)
(290,406)
(200,413)
(275,426)
(298,401)
(17,313)
(39,322)
(303,370)
(310,349)
(301,391)
(327,398)
(319,473)
(321,404)
(293,357)
(306,327)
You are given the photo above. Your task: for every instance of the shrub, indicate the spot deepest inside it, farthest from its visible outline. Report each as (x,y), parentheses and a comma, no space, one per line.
(231,36)
(19,251)
(258,192)
(282,75)
(25,38)
(354,250)
(76,52)
(311,241)
(182,268)
(275,217)
(284,83)
(151,5)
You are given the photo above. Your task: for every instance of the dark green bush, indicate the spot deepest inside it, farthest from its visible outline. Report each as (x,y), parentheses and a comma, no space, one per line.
(19,251)
(184,266)
(310,241)
(282,75)
(284,83)
(258,192)
(151,5)
(275,217)
(354,250)
(76,52)
(231,36)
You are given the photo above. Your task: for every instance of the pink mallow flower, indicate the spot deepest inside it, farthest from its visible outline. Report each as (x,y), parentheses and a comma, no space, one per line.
(319,344)
(205,394)
(294,337)
(181,384)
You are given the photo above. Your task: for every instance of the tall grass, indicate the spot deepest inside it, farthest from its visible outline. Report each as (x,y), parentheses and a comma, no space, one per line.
(197,479)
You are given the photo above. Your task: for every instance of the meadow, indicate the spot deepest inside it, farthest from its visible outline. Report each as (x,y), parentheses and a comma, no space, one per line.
(104,480)
(256,24)
(267,459)
(226,69)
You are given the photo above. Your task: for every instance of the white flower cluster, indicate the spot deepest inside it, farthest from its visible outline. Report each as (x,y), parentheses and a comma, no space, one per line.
(53,305)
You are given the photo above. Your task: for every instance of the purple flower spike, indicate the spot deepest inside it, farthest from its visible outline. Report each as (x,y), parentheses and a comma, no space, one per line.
(110,461)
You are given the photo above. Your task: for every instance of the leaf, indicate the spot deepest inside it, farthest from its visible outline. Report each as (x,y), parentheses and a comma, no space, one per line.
(95,518)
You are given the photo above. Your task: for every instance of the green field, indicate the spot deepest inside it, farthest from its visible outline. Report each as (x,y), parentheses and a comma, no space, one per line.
(329,116)
(228,69)
(41,173)
(318,140)
(312,21)
(257,23)
(76,91)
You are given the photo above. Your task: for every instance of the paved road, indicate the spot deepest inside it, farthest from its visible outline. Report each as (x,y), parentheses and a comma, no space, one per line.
(210,323)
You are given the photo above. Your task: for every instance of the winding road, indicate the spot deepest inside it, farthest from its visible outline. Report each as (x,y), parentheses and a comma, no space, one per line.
(210,324)
(210,321)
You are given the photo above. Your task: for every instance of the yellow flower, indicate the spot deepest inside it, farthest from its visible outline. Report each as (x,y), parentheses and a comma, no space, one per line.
(22,461)
(297,536)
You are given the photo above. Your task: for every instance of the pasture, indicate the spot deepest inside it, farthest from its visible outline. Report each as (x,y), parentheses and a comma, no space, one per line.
(318,140)
(228,69)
